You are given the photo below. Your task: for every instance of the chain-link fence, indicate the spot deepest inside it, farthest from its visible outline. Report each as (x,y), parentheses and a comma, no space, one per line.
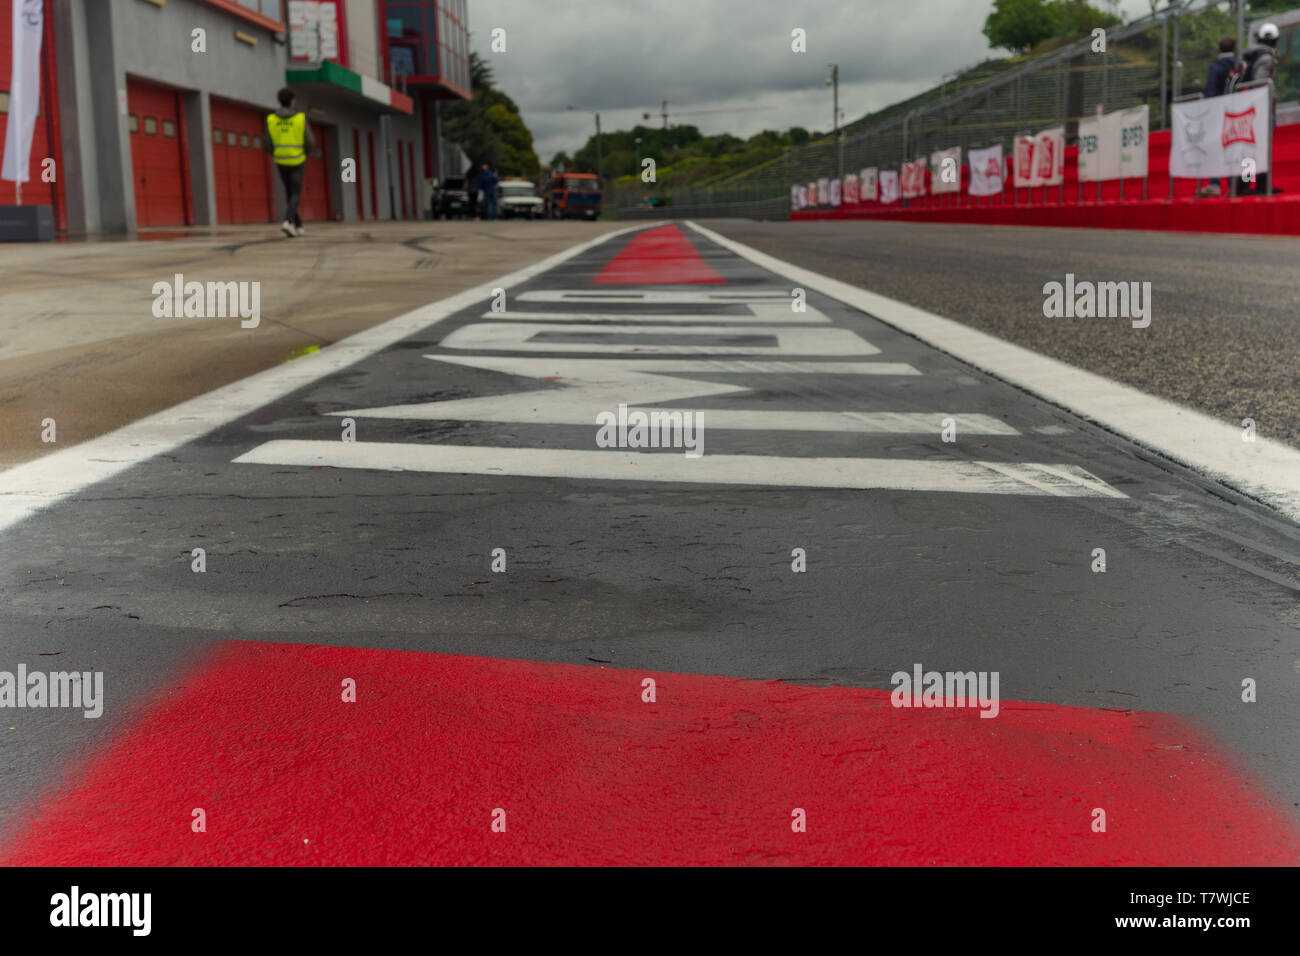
(1149,61)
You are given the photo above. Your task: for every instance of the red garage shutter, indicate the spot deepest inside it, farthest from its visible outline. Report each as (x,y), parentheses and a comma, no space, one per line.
(157,160)
(316,203)
(242,168)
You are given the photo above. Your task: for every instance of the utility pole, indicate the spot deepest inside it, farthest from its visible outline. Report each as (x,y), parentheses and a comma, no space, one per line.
(600,162)
(664,113)
(834,81)
(1241,27)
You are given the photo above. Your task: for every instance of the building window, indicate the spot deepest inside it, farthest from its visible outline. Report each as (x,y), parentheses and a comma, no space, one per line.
(169,128)
(243,140)
(134,123)
(150,126)
(264,13)
(257,142)
(216,136)
(232,138)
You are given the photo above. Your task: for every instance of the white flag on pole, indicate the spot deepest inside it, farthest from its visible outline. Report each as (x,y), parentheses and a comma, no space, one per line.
(24,88)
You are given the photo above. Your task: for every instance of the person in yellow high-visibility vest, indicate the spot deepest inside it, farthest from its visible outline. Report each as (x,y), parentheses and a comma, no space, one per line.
(289,141)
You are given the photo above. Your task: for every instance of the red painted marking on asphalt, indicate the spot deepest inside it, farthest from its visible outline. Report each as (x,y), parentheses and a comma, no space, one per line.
(587,773)
(660,256)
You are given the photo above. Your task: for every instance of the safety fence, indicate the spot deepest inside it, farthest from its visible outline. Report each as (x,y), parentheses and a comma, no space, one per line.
(1148,62)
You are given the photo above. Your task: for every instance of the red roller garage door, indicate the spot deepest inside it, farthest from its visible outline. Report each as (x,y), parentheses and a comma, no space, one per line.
(157,156)
(317,203)
(241,167)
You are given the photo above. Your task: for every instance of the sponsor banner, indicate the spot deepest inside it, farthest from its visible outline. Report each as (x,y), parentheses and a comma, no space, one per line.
(837,192)
(1216,137)
(803,197)
(945,171)
(1089,149)
(812,194)
(823,192)
(1049,156)
(868,184)
(852,189)
(986,171)
(912,179)
(1114,145)
(889,186)
(1022,166)
(794,197)
(1133,128)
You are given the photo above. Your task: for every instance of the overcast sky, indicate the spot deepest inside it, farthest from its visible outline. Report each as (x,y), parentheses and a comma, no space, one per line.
(622,57)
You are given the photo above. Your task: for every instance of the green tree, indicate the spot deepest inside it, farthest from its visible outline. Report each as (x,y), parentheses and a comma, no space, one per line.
(1016,24)
(1076,16)
(488,127)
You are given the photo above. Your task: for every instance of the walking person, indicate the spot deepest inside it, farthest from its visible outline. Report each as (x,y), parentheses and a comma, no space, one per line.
(289,140)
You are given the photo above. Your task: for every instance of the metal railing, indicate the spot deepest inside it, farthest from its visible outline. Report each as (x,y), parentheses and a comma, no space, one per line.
(1143,63)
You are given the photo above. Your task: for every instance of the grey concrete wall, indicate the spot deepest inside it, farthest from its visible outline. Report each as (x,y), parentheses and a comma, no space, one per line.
(109,153)
(363,37)
(203,182)
(154,43)
(79,177)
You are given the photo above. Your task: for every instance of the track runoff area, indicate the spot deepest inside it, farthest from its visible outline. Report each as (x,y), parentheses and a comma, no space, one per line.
(434,595)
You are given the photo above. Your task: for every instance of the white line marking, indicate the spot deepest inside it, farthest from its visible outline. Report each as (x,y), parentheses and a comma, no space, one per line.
(590,386)
(27,488)
(520,336)
(1263,469)
(895,474)
(656,296)
(759,315)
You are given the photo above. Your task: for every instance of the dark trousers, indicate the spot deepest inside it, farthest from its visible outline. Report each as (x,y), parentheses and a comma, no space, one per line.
(291,177)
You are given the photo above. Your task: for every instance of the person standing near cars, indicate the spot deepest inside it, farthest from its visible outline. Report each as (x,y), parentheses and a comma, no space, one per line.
(487,182)
(289,140)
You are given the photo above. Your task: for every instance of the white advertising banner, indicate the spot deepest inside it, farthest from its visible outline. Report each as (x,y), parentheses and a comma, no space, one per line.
(986,171)
(1115,145)
(912,179)
(837,192)
(823,192)
(1049,156)
(24,88)
(803,197)
(1022,166)
(1215,137)
(852,193)
(794,197)
(1133,128)
(812,194)
(888,186)
(868,183)
(945,171)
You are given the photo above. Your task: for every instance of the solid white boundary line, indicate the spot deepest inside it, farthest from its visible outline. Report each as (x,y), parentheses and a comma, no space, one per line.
(29,487)
(1263,469)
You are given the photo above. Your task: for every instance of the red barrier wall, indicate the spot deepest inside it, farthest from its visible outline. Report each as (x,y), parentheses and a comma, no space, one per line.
(1043,206)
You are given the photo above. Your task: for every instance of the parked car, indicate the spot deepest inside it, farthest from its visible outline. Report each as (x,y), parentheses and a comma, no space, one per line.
(569,195)
(451,199)
(518,197)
